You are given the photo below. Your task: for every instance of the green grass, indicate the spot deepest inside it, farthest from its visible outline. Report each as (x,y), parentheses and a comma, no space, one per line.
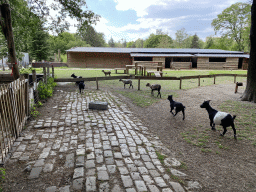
(160,157)
(245,121)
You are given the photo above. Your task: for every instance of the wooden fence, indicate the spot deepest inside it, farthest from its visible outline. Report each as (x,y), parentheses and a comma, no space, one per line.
(14,110)
(199,77)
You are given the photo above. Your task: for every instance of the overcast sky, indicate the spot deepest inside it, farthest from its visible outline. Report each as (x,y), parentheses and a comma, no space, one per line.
(133,19)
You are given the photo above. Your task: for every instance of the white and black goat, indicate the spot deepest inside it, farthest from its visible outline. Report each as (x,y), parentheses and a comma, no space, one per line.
(106,72)
(75,77)
(219,118)
(177,105)
(154,87)
(127,81)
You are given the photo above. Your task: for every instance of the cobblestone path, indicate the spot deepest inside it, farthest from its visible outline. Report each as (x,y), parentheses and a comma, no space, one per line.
(79,149)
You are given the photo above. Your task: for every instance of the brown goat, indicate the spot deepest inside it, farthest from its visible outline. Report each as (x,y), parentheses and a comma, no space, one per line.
(106,72)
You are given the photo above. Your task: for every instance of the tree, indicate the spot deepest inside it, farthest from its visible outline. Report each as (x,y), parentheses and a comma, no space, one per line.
(139,43)
(66,8)
(39,45)
(181,35)
(195,42)
(131,44)
(161,40)
(232,23)
(111,42)
(250,91)
(165,41)
(91,36)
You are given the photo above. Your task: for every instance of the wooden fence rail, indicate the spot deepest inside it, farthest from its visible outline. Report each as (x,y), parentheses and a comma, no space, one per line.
(14,110)
(150,78)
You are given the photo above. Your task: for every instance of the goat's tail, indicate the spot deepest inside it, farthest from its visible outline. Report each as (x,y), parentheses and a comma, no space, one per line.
(234,117)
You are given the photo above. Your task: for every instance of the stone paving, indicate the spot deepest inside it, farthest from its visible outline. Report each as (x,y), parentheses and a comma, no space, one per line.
(79,149)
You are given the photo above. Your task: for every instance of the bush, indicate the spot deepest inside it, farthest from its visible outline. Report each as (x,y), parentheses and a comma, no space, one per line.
(46,90)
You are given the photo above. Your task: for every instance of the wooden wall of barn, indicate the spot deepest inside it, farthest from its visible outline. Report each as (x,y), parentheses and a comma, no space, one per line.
(98,60)
(203,63)
(159,59)
(181,65)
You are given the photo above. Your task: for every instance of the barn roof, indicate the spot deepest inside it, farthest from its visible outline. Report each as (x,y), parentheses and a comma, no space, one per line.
(159,55)
(222,55)
(151,50)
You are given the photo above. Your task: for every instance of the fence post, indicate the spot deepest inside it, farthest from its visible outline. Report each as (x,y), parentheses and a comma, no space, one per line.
(97,83)
(27,94)
(214,79)
(52,71)
(198,80)
(48,71)
(235,78)
(35,86)
(180,82)
(139,83)
(45,78)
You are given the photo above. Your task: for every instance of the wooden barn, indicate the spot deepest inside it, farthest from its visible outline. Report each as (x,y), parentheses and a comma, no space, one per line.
(106,57)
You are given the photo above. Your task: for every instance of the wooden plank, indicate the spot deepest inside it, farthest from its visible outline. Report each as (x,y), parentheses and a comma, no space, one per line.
(6,78)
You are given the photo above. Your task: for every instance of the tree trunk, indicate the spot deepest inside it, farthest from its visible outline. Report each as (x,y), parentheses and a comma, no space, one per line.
(7,30)
(250,91)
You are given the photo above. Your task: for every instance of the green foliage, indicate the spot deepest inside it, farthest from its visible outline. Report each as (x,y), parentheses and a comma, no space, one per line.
(158,41)
(181,35)
(131,44)
(234,23)
(2,177)
(91,36)
(111,42)
(26,70)
(65,41)
(39,46)
(195,42)
(59,23)
(46,90)
(64,58)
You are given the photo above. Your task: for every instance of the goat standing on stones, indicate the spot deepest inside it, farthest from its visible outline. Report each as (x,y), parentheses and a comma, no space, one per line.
(75,77)
(127,81)
(106,72)
(154,87)
(81,86)
(219,118)
(177,105)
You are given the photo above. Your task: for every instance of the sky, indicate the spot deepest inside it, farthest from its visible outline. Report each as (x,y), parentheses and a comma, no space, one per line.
(132,19)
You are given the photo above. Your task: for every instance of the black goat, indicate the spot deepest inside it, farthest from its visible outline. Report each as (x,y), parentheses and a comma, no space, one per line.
(154,87)
(219,118)
(75,77)
(81,86)
(127,81)
(177,105)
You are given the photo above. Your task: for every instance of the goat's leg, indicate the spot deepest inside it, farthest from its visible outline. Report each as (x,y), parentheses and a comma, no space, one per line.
(234,129)
(124,85)
(212,125)
(183,112)
(159,94)
(171,110)
(224,131)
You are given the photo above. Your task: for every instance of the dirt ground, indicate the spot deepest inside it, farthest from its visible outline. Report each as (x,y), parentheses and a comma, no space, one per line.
(233,169)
